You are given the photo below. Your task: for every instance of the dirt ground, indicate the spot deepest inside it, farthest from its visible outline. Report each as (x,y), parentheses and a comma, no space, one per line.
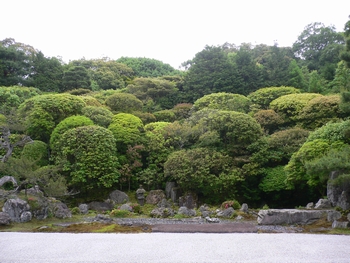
(241,227)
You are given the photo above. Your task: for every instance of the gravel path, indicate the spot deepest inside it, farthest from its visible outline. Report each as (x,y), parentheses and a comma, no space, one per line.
(169,248)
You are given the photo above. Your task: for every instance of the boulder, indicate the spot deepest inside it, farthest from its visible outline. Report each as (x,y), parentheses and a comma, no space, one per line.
(290,216)
(84,209)
(333,215)
(348,217)
(39,207)
(337,224)
(60,210)
(126,207)
(323,204)
(118,197)
(15,208)
(244,208)
(155,196)
(189,200)
(338,195)
(183,210)
(164,203)
(100,206)
(227,213)
(5,218)
(162,212)
(205,211)
(310,205)
(26,217)
(168,187)
(175,193)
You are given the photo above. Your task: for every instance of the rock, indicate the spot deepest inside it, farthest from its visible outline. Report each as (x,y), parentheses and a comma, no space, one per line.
(183,210)
(175,193)
(310,205)
(244,208)
(126,207)
(205,211)
(164,203)
(155,196)
(348,217)
(84,209)
(333,216)
(338,195)
(168,187)
(100,206)
(102,218)
(15,208)
(118,197)
(60,210)
(227,213)
(26,217)
(323,204)
(189,200)
(337,224)
(289,216)
(162,212)
(39,207)
(5,218)
(212,220)
(239,218)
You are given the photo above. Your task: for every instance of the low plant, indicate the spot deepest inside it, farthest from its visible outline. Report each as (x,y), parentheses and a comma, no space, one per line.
(119,213)
(75,211)
(230,203)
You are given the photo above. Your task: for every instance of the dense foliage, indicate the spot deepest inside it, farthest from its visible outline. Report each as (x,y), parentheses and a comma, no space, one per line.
(255,123)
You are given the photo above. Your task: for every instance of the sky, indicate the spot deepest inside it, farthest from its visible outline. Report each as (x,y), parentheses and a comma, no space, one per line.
(167,30)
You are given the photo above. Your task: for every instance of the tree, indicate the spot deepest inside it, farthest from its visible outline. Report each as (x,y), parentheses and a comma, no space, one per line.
(210,71)
(75,77)
(47,73)
(296,76)
(99,115)
(341,81)
(67,124)
(345,55)
(206,172)
(16,61)
(42,113)
(124,102)
(127,130)
(264,96)
(269,120)
(146,67)
(319,46)
(319,111)
(88,157)
(153,90)
(289,106)
(223,101)
(229,130)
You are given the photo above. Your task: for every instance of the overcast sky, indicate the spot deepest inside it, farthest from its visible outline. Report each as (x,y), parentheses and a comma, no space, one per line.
(167,30)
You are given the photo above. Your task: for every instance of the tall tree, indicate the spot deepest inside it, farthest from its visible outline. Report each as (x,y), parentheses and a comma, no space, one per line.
(318,47)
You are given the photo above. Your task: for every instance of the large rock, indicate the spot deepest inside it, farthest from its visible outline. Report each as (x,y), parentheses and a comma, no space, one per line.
(183,210)
(126,207)
(168,187)
(100,206)
(244,208)
(227,213)
(337,224)
(155,196)
(5,218)
(84,209)
(60,210)
(189,200)
(338,195)
(290,216)
(323,204)
(118,197)
(333,215)
(162,212)
(15,208)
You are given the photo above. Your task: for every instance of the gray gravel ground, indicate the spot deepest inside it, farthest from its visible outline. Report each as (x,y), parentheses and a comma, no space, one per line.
(167,247)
